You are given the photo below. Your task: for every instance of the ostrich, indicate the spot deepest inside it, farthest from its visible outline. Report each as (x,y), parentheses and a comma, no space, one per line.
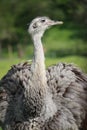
(33,98)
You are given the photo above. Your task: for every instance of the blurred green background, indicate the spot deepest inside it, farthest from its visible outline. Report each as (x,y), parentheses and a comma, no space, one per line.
(65,43)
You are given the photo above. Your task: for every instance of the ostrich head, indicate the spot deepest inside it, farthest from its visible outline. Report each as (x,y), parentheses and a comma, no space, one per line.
(40,24)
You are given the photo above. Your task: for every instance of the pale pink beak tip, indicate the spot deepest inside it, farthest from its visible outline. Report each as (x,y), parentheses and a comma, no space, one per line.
(51,23)
(58,22)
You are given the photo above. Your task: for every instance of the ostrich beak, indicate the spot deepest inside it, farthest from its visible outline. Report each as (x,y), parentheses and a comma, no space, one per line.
(51,23)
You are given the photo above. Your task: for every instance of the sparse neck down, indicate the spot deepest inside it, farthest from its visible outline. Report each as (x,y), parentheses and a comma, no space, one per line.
(39,98)
(38,65)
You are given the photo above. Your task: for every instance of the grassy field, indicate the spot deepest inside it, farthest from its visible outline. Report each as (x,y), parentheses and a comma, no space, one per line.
(6,64)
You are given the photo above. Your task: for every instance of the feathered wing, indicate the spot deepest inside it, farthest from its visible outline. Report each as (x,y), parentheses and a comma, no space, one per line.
(3,105)
(68,86)
(11,94)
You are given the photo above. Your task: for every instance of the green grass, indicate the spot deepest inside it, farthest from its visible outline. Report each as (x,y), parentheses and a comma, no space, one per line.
(6,64)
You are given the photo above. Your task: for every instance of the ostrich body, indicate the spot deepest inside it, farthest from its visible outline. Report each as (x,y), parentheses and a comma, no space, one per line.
(33,98)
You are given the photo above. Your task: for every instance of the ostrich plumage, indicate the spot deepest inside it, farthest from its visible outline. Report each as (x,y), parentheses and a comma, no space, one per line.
(33,98)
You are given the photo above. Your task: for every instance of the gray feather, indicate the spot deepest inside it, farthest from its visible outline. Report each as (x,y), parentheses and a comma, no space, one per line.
(69,89)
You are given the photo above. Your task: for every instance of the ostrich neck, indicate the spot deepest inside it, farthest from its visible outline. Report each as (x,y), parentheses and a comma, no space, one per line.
(38,65)
(36,91)
(38,97)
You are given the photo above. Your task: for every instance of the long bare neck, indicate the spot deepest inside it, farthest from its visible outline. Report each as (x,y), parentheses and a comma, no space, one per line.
(38,65)
(36,91)
(38,97)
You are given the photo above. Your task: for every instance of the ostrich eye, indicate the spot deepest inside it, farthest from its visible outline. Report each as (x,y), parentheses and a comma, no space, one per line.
(42,20)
